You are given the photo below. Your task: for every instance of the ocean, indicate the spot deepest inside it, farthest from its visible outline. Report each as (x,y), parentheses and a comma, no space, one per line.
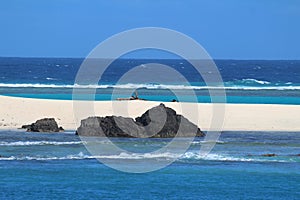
(246,81)
(58,166)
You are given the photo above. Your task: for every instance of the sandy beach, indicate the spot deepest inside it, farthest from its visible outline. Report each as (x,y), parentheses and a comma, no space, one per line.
(16,112)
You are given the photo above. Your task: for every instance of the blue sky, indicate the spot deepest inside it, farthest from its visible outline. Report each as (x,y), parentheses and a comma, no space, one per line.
(248,29)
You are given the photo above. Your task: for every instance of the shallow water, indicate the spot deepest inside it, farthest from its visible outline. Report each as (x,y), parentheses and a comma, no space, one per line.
(58,166)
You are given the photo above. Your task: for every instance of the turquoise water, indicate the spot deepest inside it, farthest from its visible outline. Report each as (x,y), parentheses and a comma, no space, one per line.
(57,166)
(202,99)
(245,81)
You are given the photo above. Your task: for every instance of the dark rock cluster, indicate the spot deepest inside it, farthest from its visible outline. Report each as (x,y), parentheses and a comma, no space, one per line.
(43,125)
(157,122)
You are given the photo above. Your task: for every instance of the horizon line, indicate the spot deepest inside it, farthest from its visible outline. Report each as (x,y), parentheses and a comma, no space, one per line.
(242,59)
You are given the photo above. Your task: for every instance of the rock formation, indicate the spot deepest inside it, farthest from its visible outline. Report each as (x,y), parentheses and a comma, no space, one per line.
(269,155)
(43,125)
(158,122)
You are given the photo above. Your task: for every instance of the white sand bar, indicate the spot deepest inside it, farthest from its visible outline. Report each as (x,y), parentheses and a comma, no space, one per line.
(15,112)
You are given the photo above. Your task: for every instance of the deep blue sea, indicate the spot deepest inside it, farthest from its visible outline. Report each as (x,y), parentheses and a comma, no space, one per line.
(58,166)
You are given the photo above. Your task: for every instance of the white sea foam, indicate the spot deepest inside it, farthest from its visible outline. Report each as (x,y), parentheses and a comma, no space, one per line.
(36,143)
(208,142)
(49,78)
(137,156)
(251,80)
(218,157)
(230,158)
(231,86)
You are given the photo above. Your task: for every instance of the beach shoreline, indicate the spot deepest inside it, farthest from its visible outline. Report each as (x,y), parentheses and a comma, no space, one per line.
(16,111)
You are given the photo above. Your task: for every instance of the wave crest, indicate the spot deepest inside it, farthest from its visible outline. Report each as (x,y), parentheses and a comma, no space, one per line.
(188,156)
(252,80)
(38,143)
(238,85)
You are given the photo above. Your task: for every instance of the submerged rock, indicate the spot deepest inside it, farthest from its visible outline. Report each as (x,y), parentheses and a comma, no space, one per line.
(158,122)
(269,155)
(43,125)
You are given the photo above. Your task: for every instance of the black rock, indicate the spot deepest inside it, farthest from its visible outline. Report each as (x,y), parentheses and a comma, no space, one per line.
(110,126)
(43,125)
(269,155)
(162,121)
(26,126)
(158,122)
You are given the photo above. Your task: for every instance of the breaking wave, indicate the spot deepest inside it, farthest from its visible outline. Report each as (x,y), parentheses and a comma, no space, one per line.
(208,142)
(38,143)
(136,156)
(254,81)
(245,84)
